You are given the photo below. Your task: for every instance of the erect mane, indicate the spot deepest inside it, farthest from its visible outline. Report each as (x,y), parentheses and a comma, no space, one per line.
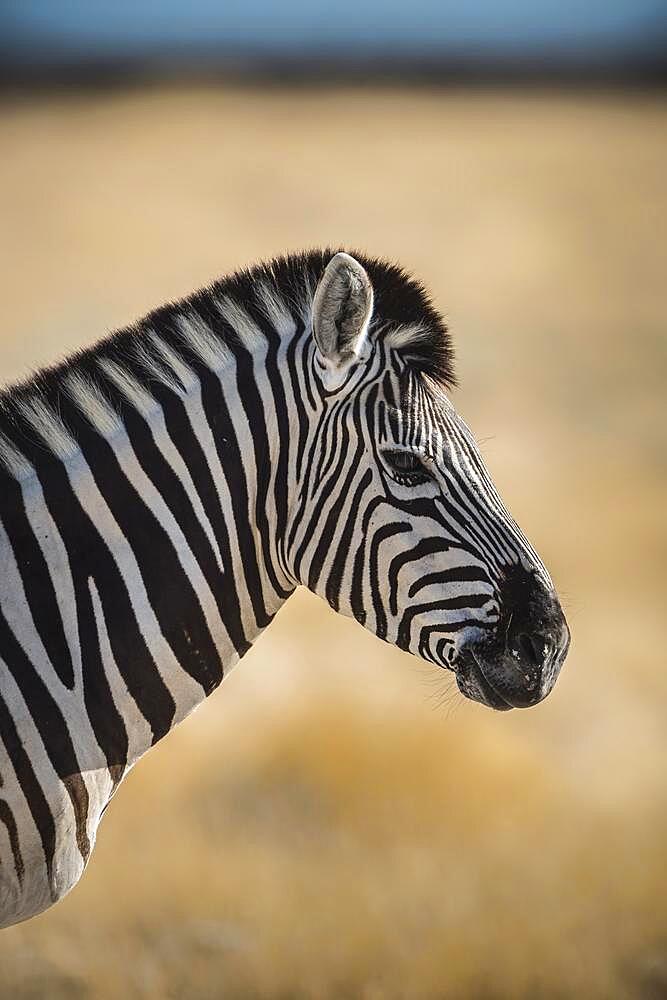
(404,312)
(404,316)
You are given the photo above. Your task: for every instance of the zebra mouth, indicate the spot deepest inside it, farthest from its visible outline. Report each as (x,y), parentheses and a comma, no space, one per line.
(473,684)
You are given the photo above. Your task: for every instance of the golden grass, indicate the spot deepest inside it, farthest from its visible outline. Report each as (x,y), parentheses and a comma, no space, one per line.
(336,822)
(349,850)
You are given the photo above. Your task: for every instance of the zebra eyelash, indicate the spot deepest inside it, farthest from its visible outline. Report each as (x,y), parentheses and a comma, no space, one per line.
(405,467)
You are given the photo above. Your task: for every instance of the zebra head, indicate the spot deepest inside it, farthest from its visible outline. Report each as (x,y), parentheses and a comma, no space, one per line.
(397,521)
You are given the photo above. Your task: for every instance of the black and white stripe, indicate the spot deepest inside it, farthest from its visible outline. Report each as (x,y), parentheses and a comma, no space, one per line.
(163,493)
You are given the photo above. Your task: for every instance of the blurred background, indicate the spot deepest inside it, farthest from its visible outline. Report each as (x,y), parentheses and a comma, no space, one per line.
(336,822)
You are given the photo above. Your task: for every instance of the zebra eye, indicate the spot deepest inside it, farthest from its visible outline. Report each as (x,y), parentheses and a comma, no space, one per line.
(406,468)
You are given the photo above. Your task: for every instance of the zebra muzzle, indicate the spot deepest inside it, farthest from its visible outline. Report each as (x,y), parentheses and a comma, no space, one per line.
(518,667)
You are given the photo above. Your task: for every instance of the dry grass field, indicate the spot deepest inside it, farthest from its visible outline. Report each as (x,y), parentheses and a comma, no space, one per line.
(336,822)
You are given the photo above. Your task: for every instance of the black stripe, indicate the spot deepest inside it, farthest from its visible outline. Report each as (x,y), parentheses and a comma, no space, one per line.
(229,454)
(51,726)
(31,788)
(277,378)
(300,410)
(90,558)
(172,597)
(459,574)
(301,506)
(332,522)
(253,408)
(37,583)
(225,588)
(403,640)
(7,817)
(378,587)
(340,565)
(176,499)
(224,584)
(424,548)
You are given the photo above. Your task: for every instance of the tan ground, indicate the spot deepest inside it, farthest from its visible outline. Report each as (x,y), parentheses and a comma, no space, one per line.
(336,822)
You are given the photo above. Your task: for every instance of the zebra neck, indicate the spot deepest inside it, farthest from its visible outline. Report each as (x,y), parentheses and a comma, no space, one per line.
(143,552)
(188,500)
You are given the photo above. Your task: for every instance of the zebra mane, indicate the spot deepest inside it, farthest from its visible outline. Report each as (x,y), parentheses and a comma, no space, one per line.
(160,351)
(404,315)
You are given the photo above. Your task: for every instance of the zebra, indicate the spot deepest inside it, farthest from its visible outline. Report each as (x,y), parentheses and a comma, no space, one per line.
(164,492)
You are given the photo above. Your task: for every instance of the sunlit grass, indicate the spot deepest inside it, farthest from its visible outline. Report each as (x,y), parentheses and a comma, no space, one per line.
(345,851)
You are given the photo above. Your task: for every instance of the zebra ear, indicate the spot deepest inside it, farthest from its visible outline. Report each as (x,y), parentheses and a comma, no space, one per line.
(342,309)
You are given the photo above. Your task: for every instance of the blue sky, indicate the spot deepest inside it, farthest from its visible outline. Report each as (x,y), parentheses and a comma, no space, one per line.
(79,26)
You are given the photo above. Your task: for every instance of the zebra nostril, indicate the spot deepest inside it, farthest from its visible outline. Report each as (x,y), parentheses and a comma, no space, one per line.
(531,648)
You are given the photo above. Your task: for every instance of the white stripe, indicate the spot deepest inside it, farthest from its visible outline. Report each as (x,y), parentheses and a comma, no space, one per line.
(203,343)
(185,691)
(143,485)
(132,389)
(202,431)
(93,405)
(139,733)
(156,371)
(48,425)
(55,554)
(15,608)
(174,459)
(14,461)
(67,862)
(402,336)
(173,360)
(274,308)
(249,334)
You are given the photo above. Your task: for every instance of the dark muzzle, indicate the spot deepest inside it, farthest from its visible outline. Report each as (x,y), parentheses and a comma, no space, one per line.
(516,666)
